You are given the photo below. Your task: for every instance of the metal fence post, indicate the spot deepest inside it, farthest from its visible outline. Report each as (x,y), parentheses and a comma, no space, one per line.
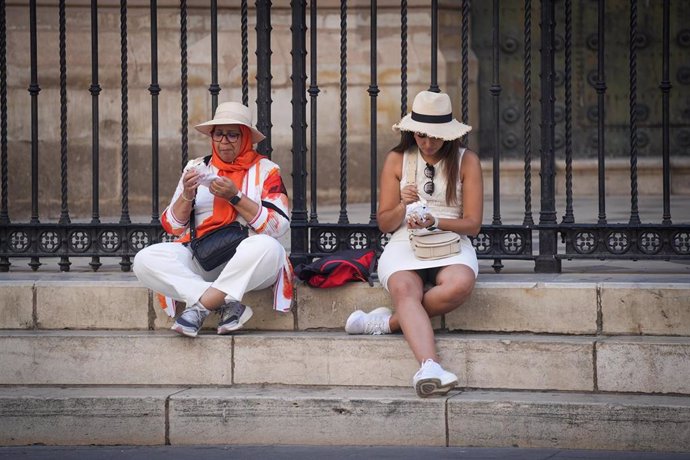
(546,261)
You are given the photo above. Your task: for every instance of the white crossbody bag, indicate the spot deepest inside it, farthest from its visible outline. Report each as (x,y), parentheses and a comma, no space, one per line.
(430,245)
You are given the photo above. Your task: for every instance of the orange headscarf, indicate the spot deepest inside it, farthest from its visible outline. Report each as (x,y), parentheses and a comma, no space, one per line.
(223,212)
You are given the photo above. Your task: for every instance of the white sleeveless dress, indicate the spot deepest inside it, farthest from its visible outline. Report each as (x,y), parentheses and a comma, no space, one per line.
(398,255)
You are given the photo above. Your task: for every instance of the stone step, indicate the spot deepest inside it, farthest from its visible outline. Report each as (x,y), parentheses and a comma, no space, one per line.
(488,361)
(567,304)
(303,415)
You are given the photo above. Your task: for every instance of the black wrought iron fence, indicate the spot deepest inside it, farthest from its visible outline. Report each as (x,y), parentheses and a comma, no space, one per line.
(310,237)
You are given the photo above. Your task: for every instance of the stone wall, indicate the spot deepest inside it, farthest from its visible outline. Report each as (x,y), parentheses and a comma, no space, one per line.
(139,135)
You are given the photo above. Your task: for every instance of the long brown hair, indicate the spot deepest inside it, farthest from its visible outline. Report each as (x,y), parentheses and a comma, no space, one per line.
(448,152)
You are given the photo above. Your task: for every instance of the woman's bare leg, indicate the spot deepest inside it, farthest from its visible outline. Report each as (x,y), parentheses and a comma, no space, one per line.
(406,289)
(454,285)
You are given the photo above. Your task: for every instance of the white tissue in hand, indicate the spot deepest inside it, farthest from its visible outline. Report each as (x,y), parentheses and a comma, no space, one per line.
(418,211)
(205,178)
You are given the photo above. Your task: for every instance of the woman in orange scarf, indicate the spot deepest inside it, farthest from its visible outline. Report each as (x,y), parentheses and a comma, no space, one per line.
(234,183)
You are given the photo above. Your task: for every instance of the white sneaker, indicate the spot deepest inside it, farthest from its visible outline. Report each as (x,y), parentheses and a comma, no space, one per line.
(432,379)
(376,322)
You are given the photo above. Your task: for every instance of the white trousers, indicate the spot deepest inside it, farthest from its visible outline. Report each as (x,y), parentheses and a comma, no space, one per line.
(169,269)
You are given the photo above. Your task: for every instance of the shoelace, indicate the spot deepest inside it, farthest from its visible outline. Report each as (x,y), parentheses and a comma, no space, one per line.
(230,310)
(376,326)
(196,312)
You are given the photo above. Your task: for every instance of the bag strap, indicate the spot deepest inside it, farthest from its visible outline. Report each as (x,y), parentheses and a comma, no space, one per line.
(192,223)
(410,167)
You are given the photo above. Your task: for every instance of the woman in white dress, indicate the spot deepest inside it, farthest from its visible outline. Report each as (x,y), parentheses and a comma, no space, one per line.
(448,182)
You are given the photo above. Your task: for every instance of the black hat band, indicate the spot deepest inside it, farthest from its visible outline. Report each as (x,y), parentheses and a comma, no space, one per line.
(431,118)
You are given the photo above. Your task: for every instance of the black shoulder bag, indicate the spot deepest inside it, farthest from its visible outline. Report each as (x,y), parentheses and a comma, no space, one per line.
(217,247)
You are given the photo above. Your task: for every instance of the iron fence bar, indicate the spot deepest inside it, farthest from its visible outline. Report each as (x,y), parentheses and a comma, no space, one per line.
(214,87)
(546,261)
(527,120)
(665,108)
(155,90)
(403,58)
(183,84)
(125,263)
(64,207)
(34,89)
(373,93)
(495,91)
(600,87)
(298,222)
(569,216)
(434,47)
(465,74)
(342,217)
(263,74)
(4,200)
(313,103)
(245,52)
(4,211)
(634,212)
(95,90)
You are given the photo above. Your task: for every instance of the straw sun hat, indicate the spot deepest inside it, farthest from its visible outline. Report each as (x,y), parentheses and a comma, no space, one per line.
(232,113)
(432,114)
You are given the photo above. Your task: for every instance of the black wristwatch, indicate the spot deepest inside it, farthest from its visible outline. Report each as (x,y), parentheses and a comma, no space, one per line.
(236,199)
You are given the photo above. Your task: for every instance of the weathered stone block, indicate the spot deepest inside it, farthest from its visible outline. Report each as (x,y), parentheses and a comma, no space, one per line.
(82,416)
(569,421)
(529,307)
(90,305)
(644,364)
(309,416)
(113,358)
(524,362)
(632,308)
(16,304)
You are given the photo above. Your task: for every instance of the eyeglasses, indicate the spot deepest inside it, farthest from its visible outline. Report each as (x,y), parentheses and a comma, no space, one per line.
(231,136)
(425,135)
(429,172)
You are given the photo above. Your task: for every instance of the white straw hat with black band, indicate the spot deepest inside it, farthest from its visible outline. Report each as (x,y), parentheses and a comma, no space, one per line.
(432,114)
(232,113)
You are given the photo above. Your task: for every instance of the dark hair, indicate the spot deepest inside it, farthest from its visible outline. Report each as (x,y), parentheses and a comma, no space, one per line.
(448,151)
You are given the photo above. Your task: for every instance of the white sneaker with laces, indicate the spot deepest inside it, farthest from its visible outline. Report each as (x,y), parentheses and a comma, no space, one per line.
(431,379)
(376,322)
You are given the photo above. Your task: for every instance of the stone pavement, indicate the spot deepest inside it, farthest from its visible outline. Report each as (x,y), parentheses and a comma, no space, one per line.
(319,452)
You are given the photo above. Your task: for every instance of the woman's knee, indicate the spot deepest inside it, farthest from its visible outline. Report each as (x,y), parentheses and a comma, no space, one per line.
(405,285)
(456,284)
(262,247)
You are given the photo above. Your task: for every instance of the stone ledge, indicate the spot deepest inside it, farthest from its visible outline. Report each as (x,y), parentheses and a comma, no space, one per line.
(265,415)
(557,307)
(501,361)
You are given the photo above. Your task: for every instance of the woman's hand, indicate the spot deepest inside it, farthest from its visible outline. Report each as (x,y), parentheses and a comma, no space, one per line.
(190,182)
(409,194)
(223,188)
(415,221)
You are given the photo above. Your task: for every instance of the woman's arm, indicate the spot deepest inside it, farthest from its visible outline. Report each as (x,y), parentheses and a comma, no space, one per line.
(175,218)
(393,203)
